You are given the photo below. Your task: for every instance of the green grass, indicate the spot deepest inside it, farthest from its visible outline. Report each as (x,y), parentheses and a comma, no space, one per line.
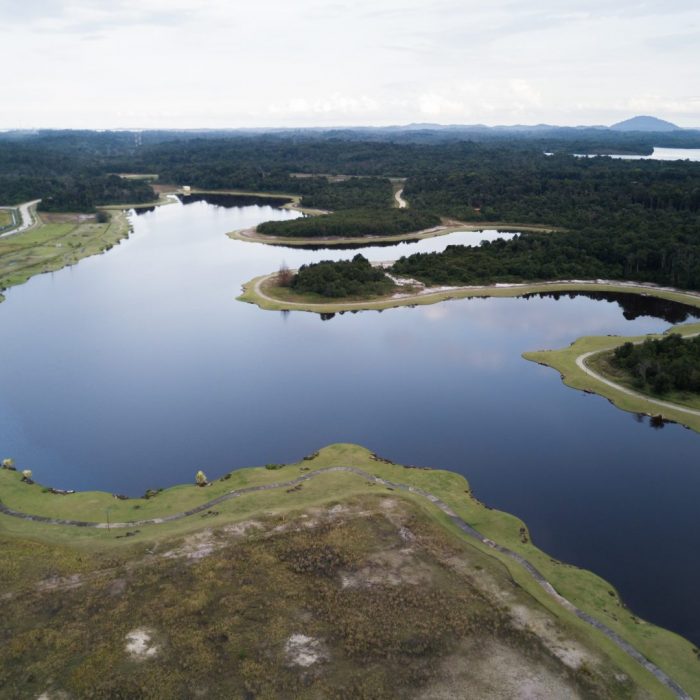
(583,588)
(6,219)
(50,247)
(564,361)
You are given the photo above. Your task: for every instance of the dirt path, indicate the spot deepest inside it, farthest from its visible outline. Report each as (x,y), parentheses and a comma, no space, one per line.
(581,364)
(401,203)
(467,529)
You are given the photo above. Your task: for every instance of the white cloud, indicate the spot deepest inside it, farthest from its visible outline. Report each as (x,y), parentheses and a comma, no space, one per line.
(177,63)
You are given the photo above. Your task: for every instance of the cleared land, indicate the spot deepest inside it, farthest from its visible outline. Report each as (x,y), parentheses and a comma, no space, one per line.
(301,589)
(51,246)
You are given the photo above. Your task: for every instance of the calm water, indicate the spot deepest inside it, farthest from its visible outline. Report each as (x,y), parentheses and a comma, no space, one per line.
(134,369)
(658,154)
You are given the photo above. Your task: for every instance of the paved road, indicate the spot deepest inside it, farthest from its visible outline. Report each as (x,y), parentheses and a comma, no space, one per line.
(27,217)
(467,529)
(581,363)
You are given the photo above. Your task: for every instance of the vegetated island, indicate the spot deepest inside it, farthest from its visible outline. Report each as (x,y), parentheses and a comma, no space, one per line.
(341,573)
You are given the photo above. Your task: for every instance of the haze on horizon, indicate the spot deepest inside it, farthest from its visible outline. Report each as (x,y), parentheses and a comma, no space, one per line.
(222,64)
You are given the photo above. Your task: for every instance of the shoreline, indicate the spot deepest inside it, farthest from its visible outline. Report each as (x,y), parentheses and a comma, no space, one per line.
(256,291)
(566,590)
(251,235)
(575,372)
(47,246)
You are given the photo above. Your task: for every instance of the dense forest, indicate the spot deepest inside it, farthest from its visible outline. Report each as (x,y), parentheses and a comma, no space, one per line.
(659,249)
(660,366)
(342,279)
(353,222)
(638,220)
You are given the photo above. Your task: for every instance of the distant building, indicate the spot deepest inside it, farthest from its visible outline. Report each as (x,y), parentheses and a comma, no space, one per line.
(186,189)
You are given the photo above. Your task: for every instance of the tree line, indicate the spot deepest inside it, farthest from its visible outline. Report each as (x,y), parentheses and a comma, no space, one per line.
(352,222)
(669,364)
(347,278)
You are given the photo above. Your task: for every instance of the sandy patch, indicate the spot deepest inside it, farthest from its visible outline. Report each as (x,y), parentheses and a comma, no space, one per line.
(304,651)
(489,669)
(568,651)
(139,644)
(202,544)
(390,567)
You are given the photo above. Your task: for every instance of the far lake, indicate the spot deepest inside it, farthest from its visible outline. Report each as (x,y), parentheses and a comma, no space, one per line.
(136,368)
(658,154)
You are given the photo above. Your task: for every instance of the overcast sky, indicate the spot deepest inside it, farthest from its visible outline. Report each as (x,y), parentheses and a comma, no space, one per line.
(227,63)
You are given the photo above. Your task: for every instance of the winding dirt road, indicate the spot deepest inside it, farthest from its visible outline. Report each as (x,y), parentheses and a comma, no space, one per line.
(401,203)
(467,529)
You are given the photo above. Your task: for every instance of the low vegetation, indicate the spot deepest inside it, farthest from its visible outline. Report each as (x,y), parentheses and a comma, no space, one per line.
(6,219)
(364,598)
(304,591)
(353,222)
(346,278)
(52,246)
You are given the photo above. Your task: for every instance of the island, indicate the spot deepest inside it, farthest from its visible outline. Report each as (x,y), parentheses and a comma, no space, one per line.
(291,579)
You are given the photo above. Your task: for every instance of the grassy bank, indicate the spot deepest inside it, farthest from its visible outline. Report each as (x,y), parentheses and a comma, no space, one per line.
(565,362)
(64,546)
(51,246)
(263,292)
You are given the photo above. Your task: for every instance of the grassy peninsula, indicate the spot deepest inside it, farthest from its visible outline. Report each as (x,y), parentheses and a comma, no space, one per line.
(57,241)
(295,587)
(585,365)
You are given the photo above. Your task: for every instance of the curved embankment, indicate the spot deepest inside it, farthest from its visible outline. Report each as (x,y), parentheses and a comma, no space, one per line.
(251,235)
(261,291)
(572,364)
(464,527)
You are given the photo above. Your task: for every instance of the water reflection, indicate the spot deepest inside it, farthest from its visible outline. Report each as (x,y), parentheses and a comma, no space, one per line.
(633,305)
(233,200)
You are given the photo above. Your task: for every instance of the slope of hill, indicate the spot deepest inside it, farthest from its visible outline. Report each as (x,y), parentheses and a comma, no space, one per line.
(644,123)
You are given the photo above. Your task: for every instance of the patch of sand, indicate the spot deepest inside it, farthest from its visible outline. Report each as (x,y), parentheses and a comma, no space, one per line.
(139,644)
(490,669)
(304,651)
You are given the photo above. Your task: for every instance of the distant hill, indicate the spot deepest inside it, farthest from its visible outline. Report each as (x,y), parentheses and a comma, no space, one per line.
(645,124)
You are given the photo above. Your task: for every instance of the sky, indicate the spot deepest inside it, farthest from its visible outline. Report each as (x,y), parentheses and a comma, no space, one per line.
(290,63)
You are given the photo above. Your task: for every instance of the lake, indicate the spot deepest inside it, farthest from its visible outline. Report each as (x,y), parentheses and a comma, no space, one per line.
(134,369)
(658,154)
